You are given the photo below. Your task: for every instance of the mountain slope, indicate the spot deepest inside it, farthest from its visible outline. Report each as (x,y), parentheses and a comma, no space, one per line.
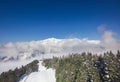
(43,75)
(84,67)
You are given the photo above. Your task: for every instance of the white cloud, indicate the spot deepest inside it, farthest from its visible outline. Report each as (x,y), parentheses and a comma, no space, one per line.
(48,46)
(26,50)
(109,41)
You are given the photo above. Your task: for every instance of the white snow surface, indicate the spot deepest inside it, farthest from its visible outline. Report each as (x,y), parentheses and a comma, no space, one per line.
(6,66)
(43,75)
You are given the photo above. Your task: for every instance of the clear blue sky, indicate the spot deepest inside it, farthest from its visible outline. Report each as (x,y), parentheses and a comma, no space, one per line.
(26,20)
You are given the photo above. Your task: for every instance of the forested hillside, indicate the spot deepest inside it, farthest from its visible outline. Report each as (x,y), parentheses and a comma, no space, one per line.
(15,75)
(86,67)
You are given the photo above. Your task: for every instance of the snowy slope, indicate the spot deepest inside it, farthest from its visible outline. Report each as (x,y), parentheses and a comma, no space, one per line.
(43,75)
(6,66)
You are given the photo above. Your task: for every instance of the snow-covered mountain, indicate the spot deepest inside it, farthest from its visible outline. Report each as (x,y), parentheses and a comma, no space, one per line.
(53,46)
(27,50)
(43,75)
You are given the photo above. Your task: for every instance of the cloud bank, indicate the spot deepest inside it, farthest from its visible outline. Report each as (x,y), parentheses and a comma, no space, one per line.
(53,46)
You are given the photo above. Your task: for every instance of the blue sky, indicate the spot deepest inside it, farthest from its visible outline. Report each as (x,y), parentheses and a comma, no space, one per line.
(26,20)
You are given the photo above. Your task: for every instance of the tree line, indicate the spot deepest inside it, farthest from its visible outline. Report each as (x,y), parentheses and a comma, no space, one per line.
(15,75)
(86,67)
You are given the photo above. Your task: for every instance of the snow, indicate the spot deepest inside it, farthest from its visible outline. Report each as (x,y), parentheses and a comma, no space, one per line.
(6,66)
(43,75)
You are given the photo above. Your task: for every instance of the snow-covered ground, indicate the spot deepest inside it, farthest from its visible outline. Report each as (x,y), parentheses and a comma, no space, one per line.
(43,75)
(11,65)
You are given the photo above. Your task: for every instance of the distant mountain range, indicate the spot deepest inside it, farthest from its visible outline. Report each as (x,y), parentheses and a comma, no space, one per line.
(51,47)
(27,50)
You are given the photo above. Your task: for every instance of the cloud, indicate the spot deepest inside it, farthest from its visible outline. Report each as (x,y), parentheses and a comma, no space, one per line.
(53,46)
(47,46)
(109,41)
